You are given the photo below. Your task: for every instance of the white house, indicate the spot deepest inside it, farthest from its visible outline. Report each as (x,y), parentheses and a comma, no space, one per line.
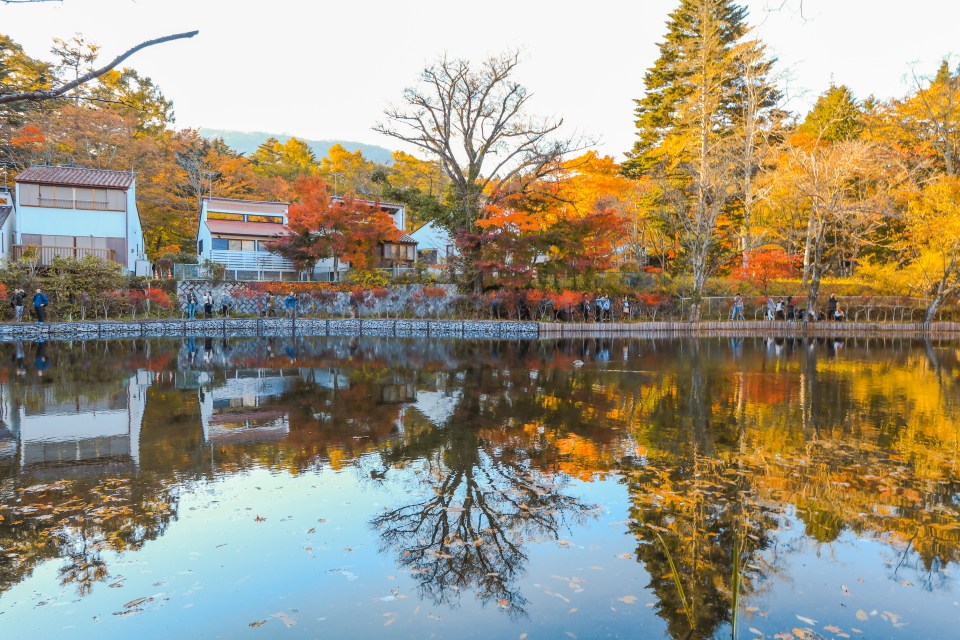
(74,212)
(8,222)
(237,234)
(434,243)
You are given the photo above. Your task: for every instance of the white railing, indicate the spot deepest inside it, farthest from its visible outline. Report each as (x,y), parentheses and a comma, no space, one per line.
(251,261)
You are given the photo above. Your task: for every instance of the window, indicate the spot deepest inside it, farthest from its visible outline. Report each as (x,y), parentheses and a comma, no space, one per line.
(200,247)
(216,215)
(273,219)
(243,245)
(219,244)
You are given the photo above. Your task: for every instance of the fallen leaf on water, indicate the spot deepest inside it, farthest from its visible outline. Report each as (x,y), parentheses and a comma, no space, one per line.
(832,629)
(809,621)
(628,599)
(570,634)
(389,622)
(433,617)
(574,610)
(312,530)
(258,623)
(523,636)
(894,618)
(861,615)
(800,633)
(127,612)
(756,631)
(284,618)
(625,556)
(843,588)
(906,583)
(259,519)
(503,602)
(136,602)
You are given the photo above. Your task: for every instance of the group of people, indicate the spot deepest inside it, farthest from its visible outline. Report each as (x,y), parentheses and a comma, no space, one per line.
(785,309)
(601,308)
(266,307)
(40,302)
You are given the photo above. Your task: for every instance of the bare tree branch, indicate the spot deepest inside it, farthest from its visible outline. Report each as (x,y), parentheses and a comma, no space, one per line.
(57,92)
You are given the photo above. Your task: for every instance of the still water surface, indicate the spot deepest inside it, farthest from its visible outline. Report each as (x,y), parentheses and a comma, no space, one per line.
(336,488)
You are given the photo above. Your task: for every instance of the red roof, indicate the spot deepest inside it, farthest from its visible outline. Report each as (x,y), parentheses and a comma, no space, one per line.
(78,177)
(407,239)
(238,228)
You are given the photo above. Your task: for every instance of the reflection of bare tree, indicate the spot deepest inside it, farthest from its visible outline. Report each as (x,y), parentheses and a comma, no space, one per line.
(484,503)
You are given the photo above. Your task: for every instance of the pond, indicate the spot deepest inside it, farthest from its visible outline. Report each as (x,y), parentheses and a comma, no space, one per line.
(358,488)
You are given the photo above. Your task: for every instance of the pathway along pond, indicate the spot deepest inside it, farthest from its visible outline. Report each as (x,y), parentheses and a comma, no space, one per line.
(338,488)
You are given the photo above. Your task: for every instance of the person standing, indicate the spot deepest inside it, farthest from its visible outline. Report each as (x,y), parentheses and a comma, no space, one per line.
(40,302)
(191,305)
(770,309)
(18,297)
(225,304)
(208,305)
(778,310)
(291,304)
(831,307)
(626,307)
(737,311)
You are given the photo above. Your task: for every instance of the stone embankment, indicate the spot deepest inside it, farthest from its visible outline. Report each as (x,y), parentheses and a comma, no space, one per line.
(249,327)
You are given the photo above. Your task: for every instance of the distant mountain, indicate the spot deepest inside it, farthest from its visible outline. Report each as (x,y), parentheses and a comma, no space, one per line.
(246,142)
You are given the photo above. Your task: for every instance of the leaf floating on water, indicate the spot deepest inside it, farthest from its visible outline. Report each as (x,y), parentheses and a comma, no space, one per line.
(284,618)
(906,583)
(312,530)
(800,633)
(503,602)
(625,556)
(138,601)
(259,519)
(809,621)
(832,629)
(389,622)
(523,636)
(258,623)
(628,599)
(861,615)
(570,634)
(574,610)
(433,617)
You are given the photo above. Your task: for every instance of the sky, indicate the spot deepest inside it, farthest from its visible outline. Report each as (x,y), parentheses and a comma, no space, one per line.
(327,70)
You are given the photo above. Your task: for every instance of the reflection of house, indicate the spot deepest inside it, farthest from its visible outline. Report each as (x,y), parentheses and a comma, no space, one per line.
(55,430)
(75,212)
(237,234)
(240,409)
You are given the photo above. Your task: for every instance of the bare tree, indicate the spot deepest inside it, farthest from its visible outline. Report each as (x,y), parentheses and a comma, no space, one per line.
(473,120)
(63,88)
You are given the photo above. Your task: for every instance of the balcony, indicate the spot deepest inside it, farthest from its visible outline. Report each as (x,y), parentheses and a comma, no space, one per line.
(254,265)
(45,254)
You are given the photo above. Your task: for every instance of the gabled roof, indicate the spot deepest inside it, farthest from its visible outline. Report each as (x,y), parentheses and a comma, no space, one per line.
(406,239)
(77,177)
(252,229)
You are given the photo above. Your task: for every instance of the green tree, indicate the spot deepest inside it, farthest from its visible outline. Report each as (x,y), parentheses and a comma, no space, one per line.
(835,116)
(708,79)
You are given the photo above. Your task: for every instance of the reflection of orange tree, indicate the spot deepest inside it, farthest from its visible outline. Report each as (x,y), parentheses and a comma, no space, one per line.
(77,521)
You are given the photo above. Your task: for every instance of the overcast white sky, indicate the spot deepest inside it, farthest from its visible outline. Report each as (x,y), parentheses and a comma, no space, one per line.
(326,69)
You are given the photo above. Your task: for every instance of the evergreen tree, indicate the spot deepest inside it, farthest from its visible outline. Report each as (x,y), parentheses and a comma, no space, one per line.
(699,124)
(835,116)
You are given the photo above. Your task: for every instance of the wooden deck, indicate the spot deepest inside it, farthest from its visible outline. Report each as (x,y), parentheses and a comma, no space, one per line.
(763,328)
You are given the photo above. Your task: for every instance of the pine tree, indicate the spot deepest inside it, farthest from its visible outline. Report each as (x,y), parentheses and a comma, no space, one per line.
(835,116)
(699,125)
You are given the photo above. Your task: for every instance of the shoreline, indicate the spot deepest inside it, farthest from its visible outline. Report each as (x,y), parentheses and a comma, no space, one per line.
(497,329)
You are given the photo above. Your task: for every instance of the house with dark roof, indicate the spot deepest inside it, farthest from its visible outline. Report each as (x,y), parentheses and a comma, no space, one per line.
(76,212)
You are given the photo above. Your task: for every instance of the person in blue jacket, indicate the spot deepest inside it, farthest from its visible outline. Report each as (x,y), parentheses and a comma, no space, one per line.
(40,302)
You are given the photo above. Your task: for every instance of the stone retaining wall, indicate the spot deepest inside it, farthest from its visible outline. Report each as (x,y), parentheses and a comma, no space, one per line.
(243,327)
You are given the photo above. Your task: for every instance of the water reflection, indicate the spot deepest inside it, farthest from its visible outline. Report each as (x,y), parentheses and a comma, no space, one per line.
(735,455)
